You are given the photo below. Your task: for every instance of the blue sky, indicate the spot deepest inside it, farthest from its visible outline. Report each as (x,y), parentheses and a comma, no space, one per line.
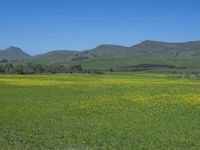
(38,26)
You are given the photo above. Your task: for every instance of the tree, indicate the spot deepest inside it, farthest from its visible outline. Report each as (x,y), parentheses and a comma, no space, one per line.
(76,68)
(2,69)
(38,68)
(20,69)
(8,68)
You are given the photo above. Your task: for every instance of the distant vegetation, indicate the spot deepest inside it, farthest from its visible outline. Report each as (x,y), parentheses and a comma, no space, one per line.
(30,68)
(38,68)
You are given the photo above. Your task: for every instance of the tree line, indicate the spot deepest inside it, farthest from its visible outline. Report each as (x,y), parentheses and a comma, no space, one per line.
(30,68)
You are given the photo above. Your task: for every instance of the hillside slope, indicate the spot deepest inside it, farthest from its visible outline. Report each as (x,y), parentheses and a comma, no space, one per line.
(151,52)
(177,50)
(106,56)
(54,56)
(13,53)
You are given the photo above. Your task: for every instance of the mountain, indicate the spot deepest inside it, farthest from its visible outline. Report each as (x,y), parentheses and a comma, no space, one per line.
(181,50)
(55,56)
(149,52)
(185,54)
(108,51)
(13,53)
(58,56)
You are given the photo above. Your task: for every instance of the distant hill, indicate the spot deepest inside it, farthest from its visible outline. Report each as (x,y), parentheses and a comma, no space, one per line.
(148,52)
(102,51)
(55,56)
(180,50)
(13,53)
(107,56)
(108,51)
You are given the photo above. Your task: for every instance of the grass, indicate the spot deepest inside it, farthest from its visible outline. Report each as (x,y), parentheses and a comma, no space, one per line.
(110,111)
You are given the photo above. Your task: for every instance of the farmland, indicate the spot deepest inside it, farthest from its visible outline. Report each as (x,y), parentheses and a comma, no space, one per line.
(106,111)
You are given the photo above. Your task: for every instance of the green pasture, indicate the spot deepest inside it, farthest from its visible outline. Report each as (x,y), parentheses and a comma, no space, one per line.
(105,111)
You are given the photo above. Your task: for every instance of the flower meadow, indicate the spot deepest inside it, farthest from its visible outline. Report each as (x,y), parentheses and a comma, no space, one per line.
(99,111)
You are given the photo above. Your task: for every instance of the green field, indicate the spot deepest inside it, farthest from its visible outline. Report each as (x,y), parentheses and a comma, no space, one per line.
(109,111)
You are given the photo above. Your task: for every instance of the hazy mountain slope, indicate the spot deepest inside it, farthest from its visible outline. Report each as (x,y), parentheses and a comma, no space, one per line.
(176,50)
(125,61)
(13,53)
(109,51)
(55,56)
(142,59)
(106,56)
(102,51)
(153,52)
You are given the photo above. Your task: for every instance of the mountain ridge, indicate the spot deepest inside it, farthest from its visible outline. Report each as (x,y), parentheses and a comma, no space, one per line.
(13,53)
(109,45)
(110,55)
